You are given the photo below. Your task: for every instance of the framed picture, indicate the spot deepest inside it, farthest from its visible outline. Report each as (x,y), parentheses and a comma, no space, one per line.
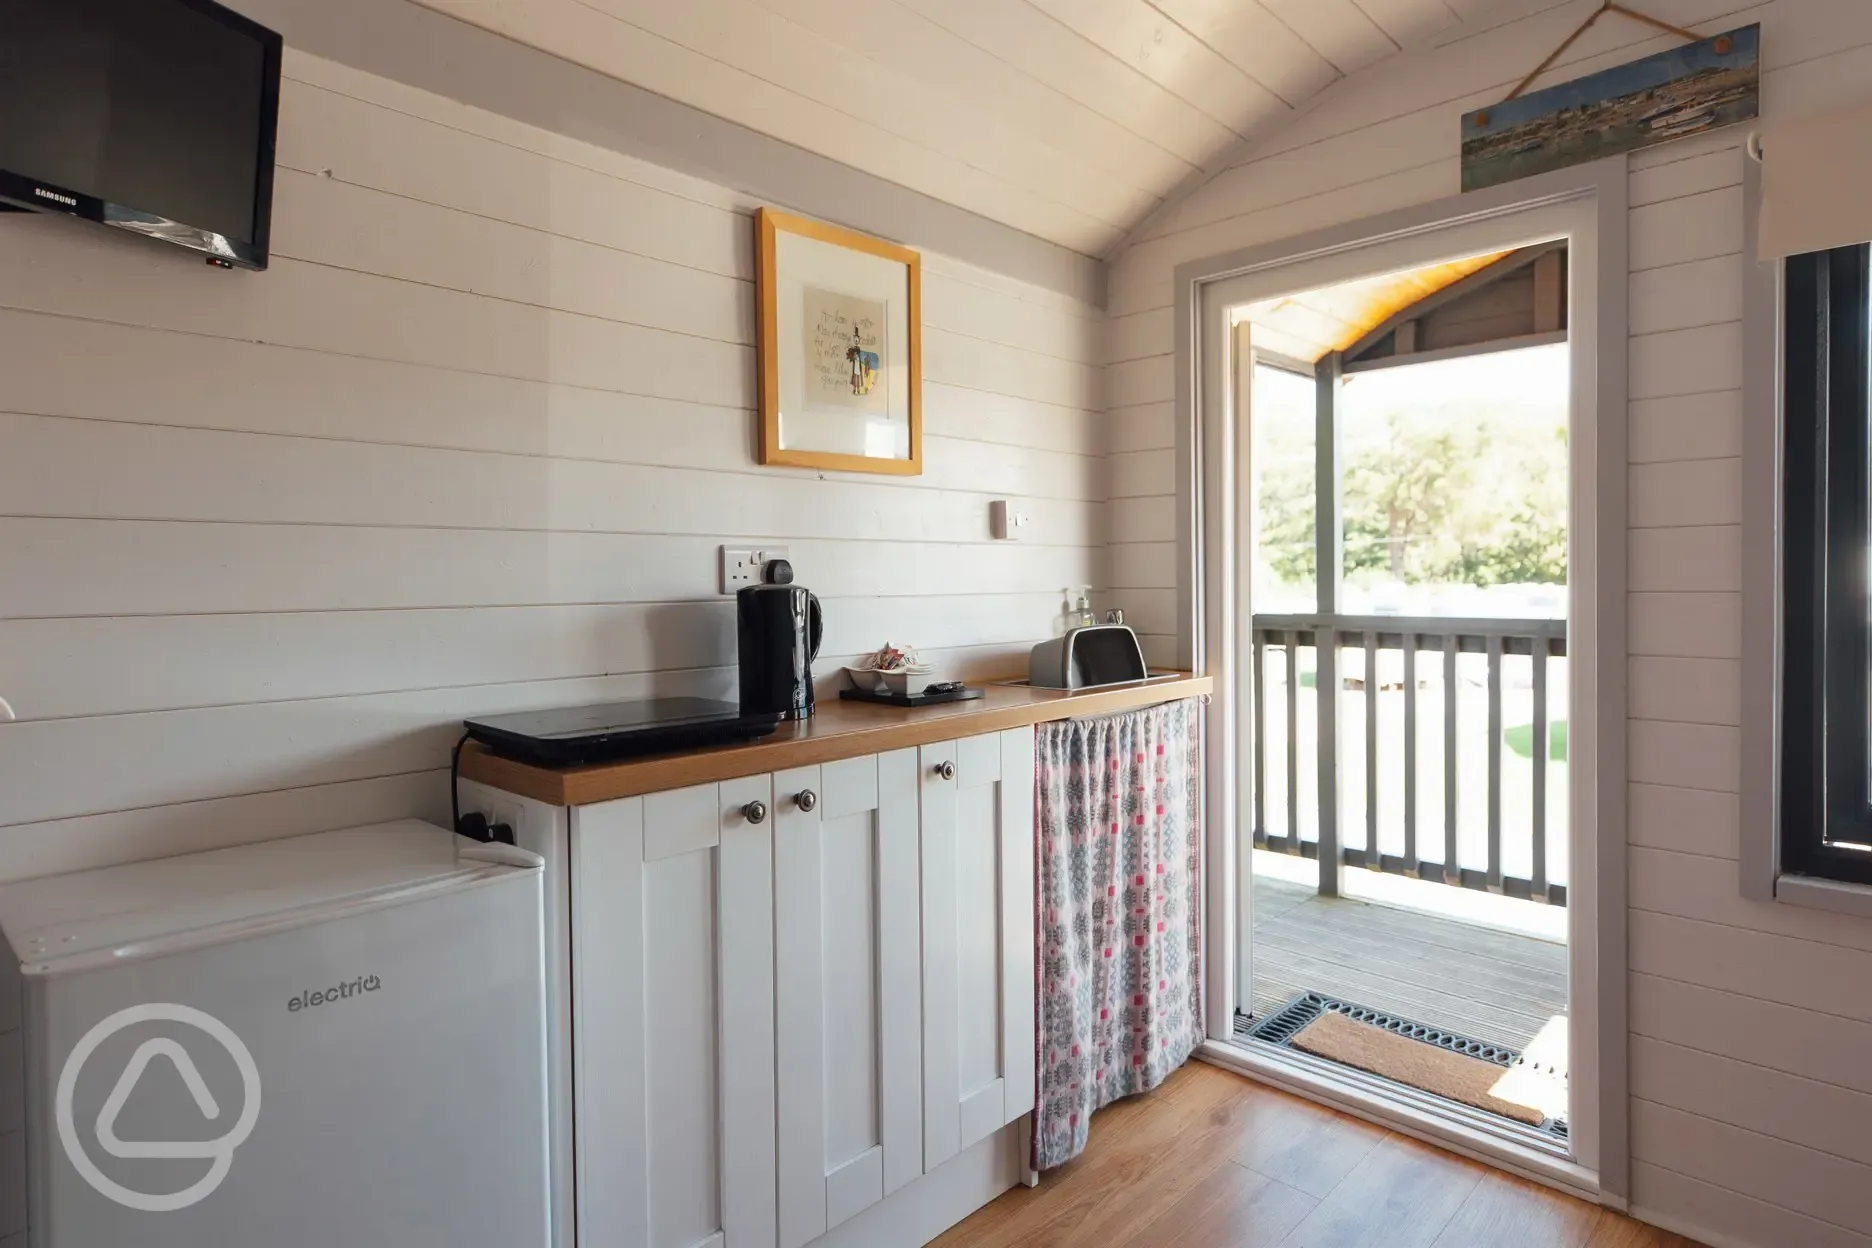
(1709,84)
(841,349)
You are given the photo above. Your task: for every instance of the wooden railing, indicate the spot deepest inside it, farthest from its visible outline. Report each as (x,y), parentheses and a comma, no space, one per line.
(1433,659)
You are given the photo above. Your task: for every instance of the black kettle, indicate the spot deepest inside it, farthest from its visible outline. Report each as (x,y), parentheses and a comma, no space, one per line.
(780,627)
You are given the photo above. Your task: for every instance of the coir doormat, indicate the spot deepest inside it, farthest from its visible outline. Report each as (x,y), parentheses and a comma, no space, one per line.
(1472,1072)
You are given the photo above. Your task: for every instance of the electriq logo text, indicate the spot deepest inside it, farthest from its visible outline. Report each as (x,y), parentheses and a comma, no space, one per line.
(340,992)
(219,1153)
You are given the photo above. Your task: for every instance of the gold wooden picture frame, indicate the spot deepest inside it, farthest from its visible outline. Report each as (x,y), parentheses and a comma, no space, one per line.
(840,348)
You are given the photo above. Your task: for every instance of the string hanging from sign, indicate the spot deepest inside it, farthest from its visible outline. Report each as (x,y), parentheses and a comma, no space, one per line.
(1607,6)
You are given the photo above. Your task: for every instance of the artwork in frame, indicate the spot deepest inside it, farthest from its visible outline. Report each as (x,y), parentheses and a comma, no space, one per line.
(840,346)
(1694,89)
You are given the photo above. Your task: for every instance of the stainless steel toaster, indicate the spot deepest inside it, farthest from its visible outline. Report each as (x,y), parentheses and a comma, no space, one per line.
(1098,654)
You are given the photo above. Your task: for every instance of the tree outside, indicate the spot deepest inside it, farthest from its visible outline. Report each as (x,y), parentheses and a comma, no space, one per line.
(1454,479)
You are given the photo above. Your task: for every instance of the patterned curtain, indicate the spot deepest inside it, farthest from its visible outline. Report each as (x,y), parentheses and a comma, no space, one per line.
(1119,914)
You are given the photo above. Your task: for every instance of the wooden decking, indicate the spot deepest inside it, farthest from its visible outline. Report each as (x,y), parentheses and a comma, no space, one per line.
(1212,1160)
(1489,985)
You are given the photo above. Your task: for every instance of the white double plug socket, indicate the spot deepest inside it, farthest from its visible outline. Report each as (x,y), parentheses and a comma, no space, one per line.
(742,566)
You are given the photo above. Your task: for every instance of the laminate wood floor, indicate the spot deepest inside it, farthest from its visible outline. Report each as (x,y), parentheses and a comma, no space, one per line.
(1213,1160)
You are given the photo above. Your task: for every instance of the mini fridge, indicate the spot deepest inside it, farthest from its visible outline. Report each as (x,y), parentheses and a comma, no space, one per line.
(328,1039)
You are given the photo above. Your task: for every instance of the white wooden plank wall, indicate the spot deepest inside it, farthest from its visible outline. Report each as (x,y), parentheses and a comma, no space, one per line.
(470,445)
(1751,1022)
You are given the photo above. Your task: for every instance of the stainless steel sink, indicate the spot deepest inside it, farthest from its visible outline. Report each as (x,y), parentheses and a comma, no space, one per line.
(1091,657)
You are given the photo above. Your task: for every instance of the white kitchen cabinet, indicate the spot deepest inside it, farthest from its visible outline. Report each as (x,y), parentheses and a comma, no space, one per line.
(783,1014)
(673,1018)
(849,1022)
(978,938)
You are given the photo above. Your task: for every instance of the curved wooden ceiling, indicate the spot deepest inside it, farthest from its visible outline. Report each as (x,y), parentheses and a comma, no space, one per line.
(1068,119)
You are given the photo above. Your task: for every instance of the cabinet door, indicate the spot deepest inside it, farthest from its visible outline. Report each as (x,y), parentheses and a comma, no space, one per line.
(978,939)
(849,1018)
(672,919)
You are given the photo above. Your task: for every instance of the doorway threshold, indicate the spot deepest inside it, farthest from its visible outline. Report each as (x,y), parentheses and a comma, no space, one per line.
(1476,1134)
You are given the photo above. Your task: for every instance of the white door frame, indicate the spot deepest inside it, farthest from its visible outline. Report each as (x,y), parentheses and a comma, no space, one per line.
(1587,205)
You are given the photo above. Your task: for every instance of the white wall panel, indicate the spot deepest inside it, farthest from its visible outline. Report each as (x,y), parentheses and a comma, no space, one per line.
(1686,361)
(1745,1220)
(358,142)
(1007,420)
(1687,175)
(200,382)
(1691,756)
(1693,426)
(1683,296)
(1702,560)
(1696,691)
(54,265)
(1801,973)
(1690,821)
(1816,1045)
(1143,565)
(1696,492)
(1692,625)
(1791,1176)
(1138,474)
(1140,335)
(1693,227)
(161,473)
(1143,427)
(469,445)
(1147,519)
(1698,886)
(84,842)
(52,769)
(54,567)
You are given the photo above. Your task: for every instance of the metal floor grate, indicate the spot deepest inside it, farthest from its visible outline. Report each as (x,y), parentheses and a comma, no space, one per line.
(1280,1027)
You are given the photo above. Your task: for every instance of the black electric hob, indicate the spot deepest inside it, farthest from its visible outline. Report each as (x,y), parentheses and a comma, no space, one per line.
(569,736)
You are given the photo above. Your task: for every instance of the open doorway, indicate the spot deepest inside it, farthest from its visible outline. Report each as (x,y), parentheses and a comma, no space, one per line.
(1445,636)
(1407,558)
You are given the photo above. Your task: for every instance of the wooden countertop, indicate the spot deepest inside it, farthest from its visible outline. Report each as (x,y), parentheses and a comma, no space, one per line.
(839,730)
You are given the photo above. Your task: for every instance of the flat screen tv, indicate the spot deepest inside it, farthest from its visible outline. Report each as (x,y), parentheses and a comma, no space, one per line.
(154,116)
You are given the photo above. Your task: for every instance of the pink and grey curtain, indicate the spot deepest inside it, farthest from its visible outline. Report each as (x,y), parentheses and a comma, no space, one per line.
(1120,975)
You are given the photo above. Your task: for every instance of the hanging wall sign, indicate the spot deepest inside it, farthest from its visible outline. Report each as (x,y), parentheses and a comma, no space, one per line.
(1689,90)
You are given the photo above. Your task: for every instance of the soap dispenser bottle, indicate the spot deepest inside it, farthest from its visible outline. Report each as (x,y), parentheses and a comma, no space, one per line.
(1082,613)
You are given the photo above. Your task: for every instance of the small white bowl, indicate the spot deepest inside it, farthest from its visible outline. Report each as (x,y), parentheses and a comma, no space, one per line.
(865,678)
(907,680)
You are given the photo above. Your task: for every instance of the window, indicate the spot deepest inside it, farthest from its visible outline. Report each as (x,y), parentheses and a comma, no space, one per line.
(1826,748)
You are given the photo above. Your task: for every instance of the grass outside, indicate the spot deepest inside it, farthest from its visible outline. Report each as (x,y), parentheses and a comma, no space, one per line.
(1520,739)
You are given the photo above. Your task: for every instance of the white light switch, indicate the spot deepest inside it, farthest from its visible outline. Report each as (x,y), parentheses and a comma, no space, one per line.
(1005,522)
